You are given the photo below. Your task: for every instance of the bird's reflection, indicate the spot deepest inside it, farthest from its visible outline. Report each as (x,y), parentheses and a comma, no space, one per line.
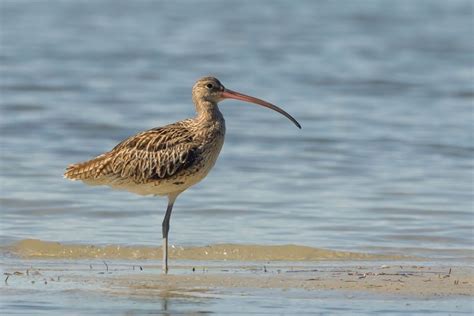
(173,303)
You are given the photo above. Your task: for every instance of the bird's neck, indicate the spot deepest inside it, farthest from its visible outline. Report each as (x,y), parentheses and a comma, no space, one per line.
(208,112)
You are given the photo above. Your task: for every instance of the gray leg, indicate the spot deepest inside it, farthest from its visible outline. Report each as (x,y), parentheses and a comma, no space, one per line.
(165,230)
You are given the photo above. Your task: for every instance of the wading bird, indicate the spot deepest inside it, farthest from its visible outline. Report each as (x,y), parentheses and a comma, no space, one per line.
(167,160)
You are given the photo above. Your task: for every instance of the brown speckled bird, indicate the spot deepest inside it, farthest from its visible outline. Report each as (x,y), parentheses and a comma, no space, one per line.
(167,160)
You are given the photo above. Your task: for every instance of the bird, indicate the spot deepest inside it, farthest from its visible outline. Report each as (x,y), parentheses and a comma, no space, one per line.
(166,161)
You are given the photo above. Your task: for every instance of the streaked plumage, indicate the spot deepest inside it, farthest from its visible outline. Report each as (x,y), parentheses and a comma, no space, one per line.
(158,161)
(167,160)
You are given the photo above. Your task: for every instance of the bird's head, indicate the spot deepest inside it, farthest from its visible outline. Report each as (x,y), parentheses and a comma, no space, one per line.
(210,90)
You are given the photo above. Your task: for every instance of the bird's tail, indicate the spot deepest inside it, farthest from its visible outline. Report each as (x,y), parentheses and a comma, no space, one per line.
(88,170)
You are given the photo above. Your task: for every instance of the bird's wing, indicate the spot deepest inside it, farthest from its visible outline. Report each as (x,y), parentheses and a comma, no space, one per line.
(155,154)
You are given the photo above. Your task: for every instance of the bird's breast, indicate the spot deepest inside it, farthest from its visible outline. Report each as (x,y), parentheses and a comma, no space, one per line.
(209,150)
(211,140)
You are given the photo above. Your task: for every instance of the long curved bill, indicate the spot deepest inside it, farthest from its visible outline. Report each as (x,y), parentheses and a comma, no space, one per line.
(229,94)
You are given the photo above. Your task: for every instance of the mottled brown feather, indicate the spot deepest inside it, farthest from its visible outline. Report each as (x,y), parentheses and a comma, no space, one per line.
(156,154)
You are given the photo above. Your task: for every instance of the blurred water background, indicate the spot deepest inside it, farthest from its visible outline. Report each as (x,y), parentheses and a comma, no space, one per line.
(383,90)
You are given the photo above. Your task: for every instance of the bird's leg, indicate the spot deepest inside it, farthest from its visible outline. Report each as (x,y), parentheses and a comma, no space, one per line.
(165,229)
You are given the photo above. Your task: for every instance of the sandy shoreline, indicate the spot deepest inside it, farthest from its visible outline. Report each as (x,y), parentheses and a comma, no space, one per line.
(87,287)
(416,280)
(33,248)
(225,267)
(413,280)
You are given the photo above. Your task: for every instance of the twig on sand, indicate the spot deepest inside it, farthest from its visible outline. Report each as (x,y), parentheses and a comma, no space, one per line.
(399,274)
(296,271)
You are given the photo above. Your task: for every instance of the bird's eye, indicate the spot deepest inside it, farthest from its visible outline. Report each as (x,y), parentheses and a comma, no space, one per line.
(210,86)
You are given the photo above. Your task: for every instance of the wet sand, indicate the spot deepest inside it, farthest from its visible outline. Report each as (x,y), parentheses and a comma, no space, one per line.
(421,281)
(117,278)
(33,248)
(135,270)
(61,279)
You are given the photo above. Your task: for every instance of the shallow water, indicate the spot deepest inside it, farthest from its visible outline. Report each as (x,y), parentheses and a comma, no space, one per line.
(383,90)
(260,303)
(136,288)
